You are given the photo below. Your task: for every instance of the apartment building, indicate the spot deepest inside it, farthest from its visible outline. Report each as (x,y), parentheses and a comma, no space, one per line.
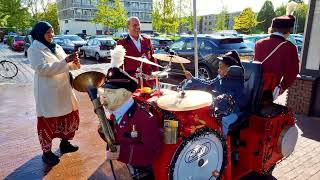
(208,22)
(75,15)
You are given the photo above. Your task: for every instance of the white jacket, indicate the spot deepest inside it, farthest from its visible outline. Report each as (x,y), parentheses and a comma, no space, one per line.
(52,90)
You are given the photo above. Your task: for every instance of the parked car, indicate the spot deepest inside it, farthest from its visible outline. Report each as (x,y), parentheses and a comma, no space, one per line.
(98,48)
(5,37)
(160,43)
(99,36)
(119,35)
(229,33)
(295,39)
(209,48)
(78,41)
(17,43)
(26,44)
(67,45)
(250,41)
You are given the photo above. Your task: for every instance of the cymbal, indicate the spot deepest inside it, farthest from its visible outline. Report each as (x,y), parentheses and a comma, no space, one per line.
(144,60)
(172,58)
(86,79)
(193,99)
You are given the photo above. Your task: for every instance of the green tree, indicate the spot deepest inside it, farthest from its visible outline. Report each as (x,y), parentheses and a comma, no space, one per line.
(187,22)
(170,21)
(110,14)
(245,22)
(221,19)
(3,19)
(265,16)
(51,16)
(301,15)
(164,17)
(17,16)
(156,16)
(119,15)
(281,10)
(184,11)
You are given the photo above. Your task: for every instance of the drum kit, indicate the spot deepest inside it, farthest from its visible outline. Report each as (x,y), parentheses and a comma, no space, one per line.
(193,148)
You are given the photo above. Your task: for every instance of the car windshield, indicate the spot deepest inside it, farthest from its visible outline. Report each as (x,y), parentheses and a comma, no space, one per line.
(19,38)
(165,42)
(108,42)
(58,41)
(73,38)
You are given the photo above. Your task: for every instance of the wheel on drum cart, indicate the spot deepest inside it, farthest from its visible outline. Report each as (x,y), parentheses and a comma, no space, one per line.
(200,156)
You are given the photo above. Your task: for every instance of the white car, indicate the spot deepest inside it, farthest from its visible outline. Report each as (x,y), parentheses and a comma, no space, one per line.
(77,40)
(98,48)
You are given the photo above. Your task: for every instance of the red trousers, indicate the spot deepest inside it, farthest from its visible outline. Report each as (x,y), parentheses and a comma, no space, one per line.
(57,127)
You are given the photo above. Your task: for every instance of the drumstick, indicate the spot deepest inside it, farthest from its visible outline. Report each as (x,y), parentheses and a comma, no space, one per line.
(184,69)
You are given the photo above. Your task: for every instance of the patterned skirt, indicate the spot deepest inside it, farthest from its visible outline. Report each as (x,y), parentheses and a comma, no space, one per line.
(57,127)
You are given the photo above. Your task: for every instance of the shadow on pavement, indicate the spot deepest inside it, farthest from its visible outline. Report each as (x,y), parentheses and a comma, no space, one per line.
(309,126)
(256,176)
(33,169)
(104,171)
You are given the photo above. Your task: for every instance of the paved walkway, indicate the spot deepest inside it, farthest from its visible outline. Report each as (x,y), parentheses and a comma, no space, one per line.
(20,153)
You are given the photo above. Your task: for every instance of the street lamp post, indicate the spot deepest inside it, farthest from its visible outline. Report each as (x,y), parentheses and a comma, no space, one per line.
(195,31)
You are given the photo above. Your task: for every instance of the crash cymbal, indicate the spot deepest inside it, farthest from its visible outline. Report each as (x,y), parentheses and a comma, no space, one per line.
(144,60)
(191,100)
(172,58)
(86,79)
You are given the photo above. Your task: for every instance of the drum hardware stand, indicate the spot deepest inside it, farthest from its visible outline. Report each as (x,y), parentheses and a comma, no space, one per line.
(139,75)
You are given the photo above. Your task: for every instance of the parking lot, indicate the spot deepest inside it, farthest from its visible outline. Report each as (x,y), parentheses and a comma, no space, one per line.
(20,153)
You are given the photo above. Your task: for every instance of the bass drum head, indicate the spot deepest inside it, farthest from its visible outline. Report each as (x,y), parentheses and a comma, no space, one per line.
(199,156)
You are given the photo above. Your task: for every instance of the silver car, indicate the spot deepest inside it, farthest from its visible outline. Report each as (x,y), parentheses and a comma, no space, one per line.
(98,48)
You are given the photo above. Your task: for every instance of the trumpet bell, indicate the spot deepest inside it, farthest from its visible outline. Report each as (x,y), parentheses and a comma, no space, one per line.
(88,79)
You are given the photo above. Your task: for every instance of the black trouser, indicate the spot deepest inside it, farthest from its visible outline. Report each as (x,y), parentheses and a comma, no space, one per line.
(141,173)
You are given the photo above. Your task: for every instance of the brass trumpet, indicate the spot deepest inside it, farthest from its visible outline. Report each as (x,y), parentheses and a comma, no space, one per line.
(89,82)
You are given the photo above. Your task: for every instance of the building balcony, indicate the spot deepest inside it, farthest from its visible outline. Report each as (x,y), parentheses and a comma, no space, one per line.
(63,6)
(83,17)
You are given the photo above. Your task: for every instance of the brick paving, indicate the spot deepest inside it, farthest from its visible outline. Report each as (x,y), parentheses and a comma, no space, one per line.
(20,153)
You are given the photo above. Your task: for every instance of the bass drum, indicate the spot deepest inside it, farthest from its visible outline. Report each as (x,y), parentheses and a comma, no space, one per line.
(200,156)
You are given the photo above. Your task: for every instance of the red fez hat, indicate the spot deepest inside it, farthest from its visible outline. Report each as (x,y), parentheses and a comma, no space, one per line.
(283,22)
(286,21)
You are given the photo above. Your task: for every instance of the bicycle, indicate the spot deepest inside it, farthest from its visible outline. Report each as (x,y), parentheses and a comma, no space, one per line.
(8,69)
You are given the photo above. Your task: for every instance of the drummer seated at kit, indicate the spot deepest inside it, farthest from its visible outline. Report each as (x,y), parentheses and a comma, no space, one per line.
(229,83)
(136,130)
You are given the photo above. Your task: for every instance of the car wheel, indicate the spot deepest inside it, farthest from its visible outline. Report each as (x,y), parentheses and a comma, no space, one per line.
(205,72)
(97,56)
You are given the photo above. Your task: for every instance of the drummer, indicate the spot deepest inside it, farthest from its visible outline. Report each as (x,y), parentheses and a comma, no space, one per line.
(232,86)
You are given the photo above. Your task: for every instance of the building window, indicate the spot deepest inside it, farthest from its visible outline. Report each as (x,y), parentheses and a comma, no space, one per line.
(85,2)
